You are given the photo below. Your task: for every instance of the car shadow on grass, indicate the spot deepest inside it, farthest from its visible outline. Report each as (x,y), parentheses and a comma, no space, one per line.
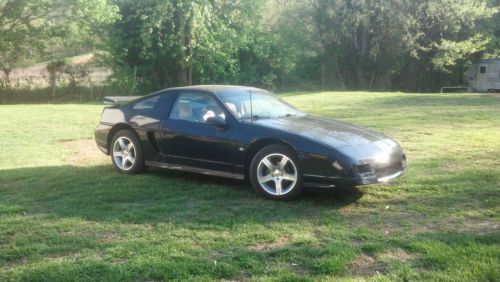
(50,214)
(99,193)
(336,196)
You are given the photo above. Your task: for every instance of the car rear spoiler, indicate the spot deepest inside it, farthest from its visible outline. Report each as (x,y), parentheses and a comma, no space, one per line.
(116,100)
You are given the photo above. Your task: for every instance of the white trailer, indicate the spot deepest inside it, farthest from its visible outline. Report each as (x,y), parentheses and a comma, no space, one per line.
(484,76)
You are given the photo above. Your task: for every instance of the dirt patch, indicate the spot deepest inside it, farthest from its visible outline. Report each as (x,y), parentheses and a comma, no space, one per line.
(83,153)
(10,265)
(478,226)
(397,254)
(264,247)
(298,269)
(364,265)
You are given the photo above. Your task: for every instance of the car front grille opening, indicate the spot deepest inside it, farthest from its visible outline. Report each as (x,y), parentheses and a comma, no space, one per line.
(364,168)
(388,170)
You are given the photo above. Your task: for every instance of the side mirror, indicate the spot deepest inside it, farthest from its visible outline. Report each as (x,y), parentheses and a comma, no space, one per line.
(218,122)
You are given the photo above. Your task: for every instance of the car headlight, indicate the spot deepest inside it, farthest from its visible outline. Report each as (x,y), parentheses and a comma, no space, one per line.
(383,158)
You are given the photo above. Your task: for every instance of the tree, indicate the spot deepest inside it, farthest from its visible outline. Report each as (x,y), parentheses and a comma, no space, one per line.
(40,28)
(19,26)
(55,68)
(182,42)
(448,36)
(413,45)
(354,44)
(73,23)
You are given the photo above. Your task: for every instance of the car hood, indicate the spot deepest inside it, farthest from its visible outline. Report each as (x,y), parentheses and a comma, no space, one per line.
(331,132)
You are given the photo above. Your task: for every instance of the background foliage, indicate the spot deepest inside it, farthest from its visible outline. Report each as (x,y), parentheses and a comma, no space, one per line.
(296,44)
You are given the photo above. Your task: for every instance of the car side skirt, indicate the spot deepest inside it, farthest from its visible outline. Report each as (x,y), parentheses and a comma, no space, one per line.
(196,170)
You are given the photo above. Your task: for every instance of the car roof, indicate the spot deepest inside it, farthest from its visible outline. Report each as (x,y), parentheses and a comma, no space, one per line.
(216,88)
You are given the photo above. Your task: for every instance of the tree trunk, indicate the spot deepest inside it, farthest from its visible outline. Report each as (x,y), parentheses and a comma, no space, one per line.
(53,79)
(372,80)
(183,31)
(91,89)
(190,52)
(54,68)
(460,74)
(6,72)
(323,76)
(190,75)
(362,57)
(339,76)
(182,74)
(134,82)
(53,92)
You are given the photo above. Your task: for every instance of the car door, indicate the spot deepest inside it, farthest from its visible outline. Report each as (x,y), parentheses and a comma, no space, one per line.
(188,138)
(145,117)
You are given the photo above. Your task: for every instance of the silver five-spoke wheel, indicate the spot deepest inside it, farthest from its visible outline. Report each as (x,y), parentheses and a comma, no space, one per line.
(277,174)
(124,153)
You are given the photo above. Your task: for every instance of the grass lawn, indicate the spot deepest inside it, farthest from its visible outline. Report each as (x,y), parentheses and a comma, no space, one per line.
(65,214)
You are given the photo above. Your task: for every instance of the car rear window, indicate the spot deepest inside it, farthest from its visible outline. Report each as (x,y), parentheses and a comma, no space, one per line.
(146,107)
(157,106)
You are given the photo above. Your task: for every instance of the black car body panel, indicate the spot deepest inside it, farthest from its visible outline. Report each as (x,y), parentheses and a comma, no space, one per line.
(330,152)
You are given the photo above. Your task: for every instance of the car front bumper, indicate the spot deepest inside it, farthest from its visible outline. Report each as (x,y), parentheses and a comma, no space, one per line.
(365,180)
(363,172)
(373,171)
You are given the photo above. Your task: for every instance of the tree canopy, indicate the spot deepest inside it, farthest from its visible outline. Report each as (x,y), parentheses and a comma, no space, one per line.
(329,44)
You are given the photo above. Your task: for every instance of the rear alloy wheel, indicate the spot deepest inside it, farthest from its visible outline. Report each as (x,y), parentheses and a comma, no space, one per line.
(275,174)
(126,153)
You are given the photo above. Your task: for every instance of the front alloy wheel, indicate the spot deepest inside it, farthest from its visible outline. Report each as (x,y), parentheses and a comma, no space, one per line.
(275,174)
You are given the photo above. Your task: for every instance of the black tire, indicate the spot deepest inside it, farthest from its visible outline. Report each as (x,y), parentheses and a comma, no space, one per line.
(276,151)
(138,165)
(492,91)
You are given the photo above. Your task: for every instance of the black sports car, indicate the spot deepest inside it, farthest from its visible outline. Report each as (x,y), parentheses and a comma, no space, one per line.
(243,133)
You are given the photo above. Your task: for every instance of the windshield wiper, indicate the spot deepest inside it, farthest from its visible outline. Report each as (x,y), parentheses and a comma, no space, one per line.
(260,117)
(287,115)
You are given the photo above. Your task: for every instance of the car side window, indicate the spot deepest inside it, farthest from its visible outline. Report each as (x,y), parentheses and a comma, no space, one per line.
(147,106)
(195,107)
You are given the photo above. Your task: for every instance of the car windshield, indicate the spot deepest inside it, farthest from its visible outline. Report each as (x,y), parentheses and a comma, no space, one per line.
(257,104)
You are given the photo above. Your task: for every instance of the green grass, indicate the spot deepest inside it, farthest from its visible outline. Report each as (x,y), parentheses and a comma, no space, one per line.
(62,222)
